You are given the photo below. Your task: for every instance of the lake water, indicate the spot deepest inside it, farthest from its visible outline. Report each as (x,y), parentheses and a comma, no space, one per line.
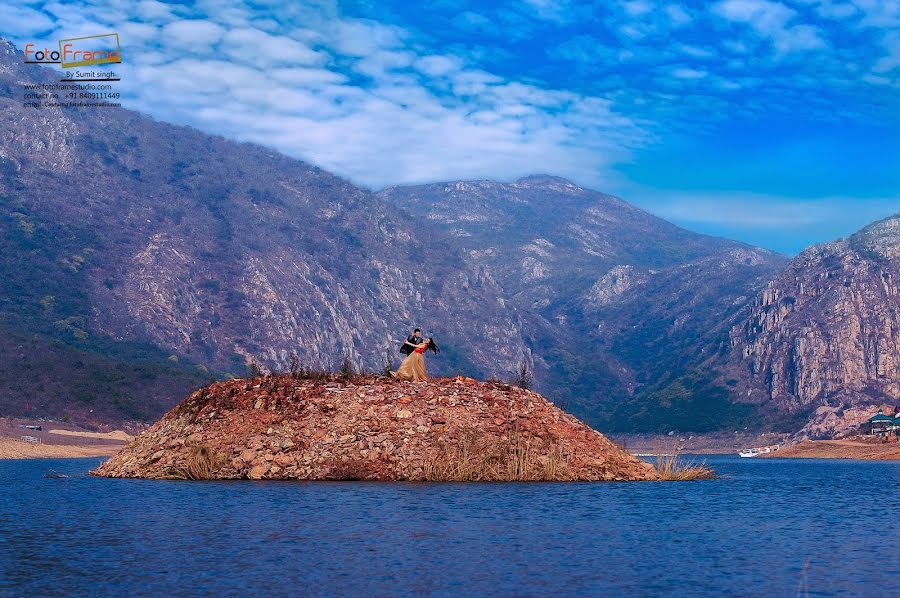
(770,528)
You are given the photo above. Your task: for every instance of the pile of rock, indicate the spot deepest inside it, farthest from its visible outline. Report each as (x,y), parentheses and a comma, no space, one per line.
(369,428)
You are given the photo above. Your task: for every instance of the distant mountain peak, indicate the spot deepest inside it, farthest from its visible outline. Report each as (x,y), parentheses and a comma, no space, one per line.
(9,54)
(546,180)
(881,237)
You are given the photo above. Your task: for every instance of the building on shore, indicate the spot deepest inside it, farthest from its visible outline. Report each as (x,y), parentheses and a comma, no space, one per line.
(884,425)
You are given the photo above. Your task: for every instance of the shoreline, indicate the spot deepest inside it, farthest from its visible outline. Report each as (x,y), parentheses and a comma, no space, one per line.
(838,449)
(13,449)
(27,438)
(711,443)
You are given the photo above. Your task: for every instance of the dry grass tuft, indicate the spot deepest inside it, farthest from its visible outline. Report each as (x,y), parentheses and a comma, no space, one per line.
(201,463)
(473,459)
(348,471)
(670,467)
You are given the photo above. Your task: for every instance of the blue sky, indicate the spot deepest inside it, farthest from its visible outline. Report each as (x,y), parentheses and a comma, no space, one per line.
(777,123)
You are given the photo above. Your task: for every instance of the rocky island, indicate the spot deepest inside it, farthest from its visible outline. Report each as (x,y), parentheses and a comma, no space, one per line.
(328,427)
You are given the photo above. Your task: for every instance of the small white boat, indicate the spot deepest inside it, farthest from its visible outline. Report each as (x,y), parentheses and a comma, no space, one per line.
(753,452)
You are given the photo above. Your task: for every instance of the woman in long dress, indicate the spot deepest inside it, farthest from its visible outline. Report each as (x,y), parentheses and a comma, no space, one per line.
(413,367)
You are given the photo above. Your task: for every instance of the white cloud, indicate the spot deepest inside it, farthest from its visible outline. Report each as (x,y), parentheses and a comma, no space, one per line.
(890,61)
(438,66)
(379,64)
(636,8)
(800,37)
(550,10)
(28,21)
(634,31)
(763,15)
(138,33)
(688,73)
(677,14)
(772,21)
(749,211)
(472,82)
(196,34)
(306,77)
(361,38)
(473,21)
(879,13)
(150,10)
(836,10)
(746,211)
(877,80)
(694,51)
(252,45)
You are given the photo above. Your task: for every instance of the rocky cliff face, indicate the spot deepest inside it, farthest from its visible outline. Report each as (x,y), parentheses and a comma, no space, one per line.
(823,338)
(280,427)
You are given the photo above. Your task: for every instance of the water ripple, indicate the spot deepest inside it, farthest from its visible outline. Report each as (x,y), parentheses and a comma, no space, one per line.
(772,528)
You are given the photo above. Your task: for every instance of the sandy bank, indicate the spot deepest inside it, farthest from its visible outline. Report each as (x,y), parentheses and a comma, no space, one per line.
(115,435)
(11,448)
(838,449)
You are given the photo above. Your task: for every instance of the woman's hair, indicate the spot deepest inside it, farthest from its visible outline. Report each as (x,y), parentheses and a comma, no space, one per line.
(432,346)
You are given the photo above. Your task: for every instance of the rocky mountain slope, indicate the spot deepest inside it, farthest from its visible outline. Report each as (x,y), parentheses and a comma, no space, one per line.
(119,230)
(823,338)
(279,427)
(617,302)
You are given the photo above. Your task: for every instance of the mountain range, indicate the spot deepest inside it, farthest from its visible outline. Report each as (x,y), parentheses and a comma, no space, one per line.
(615,301)
(142,259)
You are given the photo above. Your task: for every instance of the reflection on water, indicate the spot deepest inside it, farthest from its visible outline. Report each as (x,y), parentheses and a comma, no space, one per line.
(770,528)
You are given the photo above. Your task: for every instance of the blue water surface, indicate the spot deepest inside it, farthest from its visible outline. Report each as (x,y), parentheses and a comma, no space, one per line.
(769,528)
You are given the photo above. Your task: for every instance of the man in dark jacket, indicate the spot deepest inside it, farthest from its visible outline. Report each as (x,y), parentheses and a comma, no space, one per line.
(411,341)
